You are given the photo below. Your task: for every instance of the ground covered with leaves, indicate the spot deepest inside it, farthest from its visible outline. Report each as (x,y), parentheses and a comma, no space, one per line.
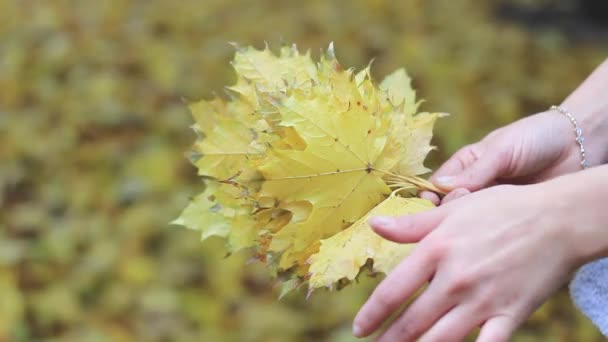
(94,126)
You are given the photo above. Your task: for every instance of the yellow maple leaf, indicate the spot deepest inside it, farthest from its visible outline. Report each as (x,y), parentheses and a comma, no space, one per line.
(217,211)
(271,73)
(302,151)
(410,135)
(342,255)
(335,173)
(220,122)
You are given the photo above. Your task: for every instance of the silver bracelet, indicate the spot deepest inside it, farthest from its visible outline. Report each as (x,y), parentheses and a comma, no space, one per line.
(577,130)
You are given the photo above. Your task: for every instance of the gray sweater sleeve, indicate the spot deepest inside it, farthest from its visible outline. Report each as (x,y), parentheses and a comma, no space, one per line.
(589,292)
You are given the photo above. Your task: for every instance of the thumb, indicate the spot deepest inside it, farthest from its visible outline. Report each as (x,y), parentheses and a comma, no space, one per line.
(408,228)
(481,173)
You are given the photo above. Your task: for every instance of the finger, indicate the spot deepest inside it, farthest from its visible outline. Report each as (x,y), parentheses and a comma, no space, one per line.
(431,196)
(497,329)
(484,172)
(478,169)
(400,284)
(408,228)
(419,316)
(455,194)
(454,326)
(459,162)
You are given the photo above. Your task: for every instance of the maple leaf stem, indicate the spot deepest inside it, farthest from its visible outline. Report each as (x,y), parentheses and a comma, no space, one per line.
(399,189)
(418,182)
(401,185)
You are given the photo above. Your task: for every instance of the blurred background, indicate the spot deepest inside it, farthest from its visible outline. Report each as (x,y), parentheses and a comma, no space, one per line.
(93,131)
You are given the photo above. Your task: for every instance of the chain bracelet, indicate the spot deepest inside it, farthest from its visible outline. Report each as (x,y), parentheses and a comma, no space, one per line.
(578,131)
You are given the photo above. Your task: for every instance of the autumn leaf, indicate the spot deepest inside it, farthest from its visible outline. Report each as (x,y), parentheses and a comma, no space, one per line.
(216,211)
(331,264)
(297,157)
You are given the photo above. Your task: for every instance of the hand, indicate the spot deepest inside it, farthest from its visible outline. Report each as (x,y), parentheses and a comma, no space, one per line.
(531,150)
(536,148)
(492,269)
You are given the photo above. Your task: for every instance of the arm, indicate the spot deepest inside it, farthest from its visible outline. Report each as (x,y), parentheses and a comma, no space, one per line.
(489,258)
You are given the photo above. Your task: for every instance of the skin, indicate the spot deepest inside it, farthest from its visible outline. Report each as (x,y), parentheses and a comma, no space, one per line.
(493,270)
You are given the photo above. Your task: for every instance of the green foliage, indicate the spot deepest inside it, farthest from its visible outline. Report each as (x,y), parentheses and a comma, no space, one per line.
(93,127)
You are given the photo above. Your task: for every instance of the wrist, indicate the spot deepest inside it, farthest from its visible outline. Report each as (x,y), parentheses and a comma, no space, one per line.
(593,120)
(589,105)
(553,207)
(574,202)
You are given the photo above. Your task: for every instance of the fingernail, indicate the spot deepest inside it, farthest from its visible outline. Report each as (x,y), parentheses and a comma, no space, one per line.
(357,331)
(381,221)
(446,181)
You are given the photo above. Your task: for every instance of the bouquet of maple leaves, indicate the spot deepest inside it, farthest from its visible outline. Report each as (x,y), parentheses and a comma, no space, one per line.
(297,159)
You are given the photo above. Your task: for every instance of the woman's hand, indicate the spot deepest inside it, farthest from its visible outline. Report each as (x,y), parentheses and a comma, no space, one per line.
(531,150)
(494,256)
(536,148)
(491,258)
